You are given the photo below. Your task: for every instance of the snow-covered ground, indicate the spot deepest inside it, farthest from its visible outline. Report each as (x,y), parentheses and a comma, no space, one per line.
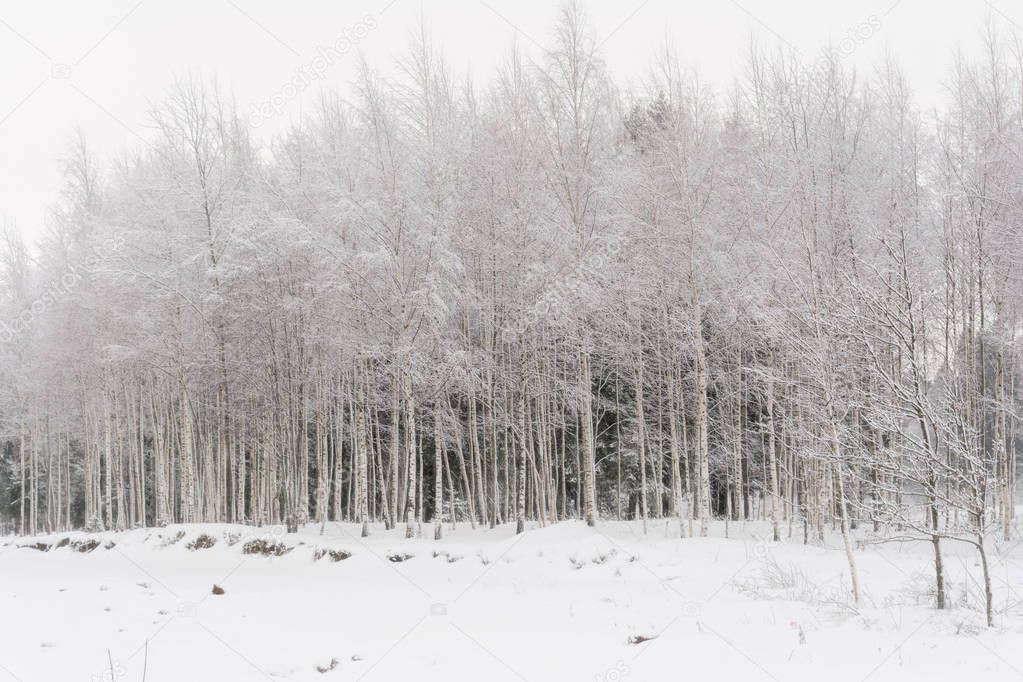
(565,602)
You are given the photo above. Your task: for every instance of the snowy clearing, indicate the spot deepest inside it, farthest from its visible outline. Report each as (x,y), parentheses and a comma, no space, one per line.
(564,602)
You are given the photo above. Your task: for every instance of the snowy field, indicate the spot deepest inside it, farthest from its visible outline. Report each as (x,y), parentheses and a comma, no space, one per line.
(564,602)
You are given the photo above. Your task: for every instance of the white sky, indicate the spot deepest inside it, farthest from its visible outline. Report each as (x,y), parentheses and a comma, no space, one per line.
(98,64)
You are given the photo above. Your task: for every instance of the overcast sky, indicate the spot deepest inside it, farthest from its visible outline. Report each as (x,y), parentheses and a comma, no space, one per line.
(97,65)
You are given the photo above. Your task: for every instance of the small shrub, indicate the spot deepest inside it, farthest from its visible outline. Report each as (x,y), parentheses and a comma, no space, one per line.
(920,589)
(38,546)
(398,557)
(173,539)
(204,541)
(85,546)
(334,555)
(448,556)
(790,583)
(327,668)
(967,627)
(265,547)
(639,639)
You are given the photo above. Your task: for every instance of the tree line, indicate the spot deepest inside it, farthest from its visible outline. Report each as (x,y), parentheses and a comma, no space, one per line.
(545,297)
